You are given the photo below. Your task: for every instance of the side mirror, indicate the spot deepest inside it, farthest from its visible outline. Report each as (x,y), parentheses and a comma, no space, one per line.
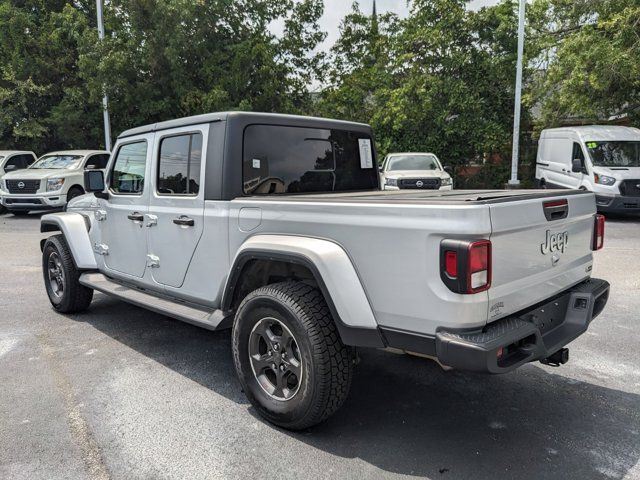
(10,167)
(447,169)
(380,168)
(94,182)
(576,166)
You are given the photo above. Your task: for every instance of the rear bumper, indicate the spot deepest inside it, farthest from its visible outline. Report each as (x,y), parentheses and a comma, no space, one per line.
(617,203)
(531,335)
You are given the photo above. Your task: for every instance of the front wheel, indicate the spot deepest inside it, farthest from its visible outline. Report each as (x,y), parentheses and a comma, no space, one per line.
(288,355)
(61,277)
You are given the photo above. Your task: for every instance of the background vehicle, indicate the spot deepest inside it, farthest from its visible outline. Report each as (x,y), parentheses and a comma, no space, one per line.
(275,225)
(599,158)
(421,171)
(12,160)
(51,181)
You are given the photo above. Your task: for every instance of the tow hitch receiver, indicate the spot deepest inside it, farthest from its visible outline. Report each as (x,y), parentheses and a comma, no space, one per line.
(559,358)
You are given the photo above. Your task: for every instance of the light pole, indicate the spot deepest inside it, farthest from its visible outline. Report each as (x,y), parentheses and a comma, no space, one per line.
(105,98)
(513,181)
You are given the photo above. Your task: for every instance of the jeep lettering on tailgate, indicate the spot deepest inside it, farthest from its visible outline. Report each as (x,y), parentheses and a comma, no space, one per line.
(555,242)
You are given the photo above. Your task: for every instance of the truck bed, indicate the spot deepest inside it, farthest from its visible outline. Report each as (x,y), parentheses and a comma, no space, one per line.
(478,197)
(393,239)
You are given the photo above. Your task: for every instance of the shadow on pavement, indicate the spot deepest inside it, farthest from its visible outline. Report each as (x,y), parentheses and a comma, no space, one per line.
(407,416)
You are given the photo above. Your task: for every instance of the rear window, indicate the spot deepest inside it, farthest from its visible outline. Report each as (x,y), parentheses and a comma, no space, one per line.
(285,160)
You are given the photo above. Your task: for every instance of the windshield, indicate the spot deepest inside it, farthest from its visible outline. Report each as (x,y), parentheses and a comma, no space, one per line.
(413,162)
(58,162)
(614,154)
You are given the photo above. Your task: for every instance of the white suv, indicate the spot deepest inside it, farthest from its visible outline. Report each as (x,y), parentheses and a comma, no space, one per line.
(50,182)
(417,171)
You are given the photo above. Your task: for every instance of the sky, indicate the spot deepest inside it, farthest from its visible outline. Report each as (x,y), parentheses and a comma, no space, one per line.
(335,11)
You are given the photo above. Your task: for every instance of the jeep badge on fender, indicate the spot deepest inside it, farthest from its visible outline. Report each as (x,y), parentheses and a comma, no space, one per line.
(555,242)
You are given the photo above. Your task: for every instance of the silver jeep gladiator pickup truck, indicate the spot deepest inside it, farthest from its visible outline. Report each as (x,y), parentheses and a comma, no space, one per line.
(275,226)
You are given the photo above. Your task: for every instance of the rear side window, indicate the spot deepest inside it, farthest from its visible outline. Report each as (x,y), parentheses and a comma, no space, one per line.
(179,165)
(97,162)
(127,175)
(282,160)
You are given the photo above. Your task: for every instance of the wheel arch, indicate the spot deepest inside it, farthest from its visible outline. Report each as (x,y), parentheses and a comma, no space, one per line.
(75,228)
(77,186)
(266,259)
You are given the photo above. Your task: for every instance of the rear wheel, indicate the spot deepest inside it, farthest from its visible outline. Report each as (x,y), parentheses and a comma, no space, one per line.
(65,292)
(290,360)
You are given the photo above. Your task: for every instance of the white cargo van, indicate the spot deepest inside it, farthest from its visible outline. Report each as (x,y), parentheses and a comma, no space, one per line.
(600,158)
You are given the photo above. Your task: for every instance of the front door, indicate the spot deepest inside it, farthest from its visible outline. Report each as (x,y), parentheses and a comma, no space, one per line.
(575,178)
(176,205)
(124,236)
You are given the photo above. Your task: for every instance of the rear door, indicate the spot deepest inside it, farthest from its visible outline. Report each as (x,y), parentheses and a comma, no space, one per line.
(176,205)
(538,252)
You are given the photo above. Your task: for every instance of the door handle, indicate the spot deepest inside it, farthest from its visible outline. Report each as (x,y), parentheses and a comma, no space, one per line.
(184,221)
(136,217)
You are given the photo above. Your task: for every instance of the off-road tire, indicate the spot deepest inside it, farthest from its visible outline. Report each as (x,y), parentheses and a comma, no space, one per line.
(74,297)
(327,364)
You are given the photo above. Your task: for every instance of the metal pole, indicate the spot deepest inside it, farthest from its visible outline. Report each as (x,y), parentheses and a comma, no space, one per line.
(105,98)
(513,181)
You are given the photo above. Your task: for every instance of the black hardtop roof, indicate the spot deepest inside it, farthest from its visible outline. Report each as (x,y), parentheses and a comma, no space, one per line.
(244,118)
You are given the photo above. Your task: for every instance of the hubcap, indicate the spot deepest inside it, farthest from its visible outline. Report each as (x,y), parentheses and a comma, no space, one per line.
(275,359)
(56,274)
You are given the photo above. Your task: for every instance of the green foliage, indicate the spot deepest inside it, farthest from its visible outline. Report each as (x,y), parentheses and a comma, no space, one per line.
(440,80)
(161,59)
(590,60)
(42,99)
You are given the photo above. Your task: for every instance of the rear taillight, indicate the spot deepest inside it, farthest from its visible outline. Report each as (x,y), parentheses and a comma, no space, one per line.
(465,266)
(598,233)
(479,269)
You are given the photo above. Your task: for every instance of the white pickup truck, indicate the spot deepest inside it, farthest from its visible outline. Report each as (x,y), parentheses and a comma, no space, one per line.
(275,226)
(50,182)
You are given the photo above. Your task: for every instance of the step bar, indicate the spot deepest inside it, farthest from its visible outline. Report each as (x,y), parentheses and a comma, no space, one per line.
(211,319)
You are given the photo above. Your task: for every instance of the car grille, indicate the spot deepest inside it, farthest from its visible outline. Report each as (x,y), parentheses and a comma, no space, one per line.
(419,183)
(23,186)
(630,188)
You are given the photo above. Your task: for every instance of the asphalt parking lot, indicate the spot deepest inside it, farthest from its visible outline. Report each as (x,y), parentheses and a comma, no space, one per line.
(119,392)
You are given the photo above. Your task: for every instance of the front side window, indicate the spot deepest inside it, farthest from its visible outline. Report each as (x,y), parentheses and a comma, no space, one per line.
(614,154)
(179,165)
(17,162)
(58,162)
(283,160)
(127,175)
(97,162)
(412,162)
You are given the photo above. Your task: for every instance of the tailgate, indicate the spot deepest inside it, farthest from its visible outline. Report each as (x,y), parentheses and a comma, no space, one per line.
(535,257)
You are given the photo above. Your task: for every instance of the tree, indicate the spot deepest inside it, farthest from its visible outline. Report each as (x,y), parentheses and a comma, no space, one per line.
(589,60)
(441,80)
(42,100)
(172,58)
